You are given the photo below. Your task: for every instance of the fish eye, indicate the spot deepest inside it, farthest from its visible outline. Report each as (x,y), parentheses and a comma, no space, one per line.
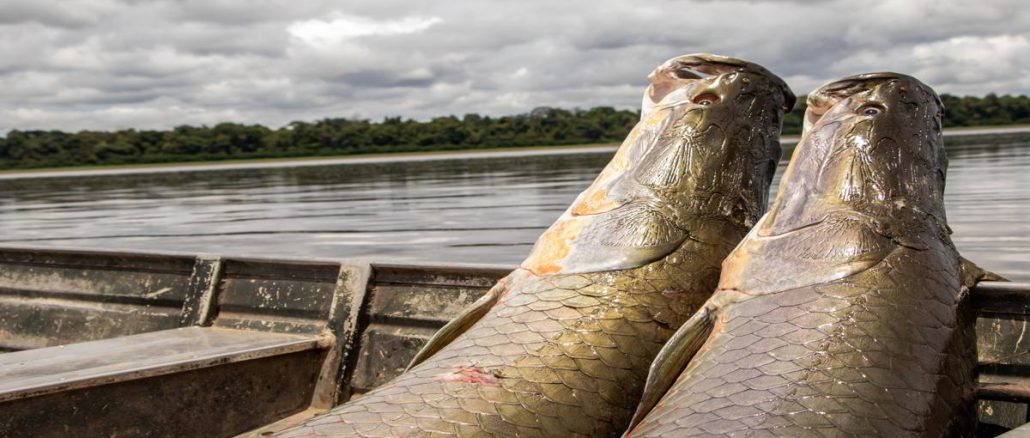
(706,99)
(871,110)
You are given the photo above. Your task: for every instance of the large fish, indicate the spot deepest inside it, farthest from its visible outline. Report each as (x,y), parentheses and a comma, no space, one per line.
(561,346)
(843,312)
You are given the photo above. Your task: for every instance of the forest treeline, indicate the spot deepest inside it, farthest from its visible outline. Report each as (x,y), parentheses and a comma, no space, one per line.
(341,136)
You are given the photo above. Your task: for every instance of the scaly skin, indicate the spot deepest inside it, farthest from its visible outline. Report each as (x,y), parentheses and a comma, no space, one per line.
(564,350)
(843,312)
(562,356)
(880,353)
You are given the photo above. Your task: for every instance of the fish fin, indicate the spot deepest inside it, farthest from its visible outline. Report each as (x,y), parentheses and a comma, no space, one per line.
(460,324)
(638,226)
(663,166)
(649,135)
(824,251)
(673,359)
(627,237)
(973,274)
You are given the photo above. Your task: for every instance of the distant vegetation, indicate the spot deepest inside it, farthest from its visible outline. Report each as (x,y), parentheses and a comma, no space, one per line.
(540,127)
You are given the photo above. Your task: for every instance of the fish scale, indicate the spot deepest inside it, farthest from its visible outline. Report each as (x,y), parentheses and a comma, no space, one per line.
(563,356)
(561,346)
(838,359)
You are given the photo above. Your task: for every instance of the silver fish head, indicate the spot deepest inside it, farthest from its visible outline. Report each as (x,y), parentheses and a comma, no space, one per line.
(711,124)
(871,145)
(867,176)
(705,149)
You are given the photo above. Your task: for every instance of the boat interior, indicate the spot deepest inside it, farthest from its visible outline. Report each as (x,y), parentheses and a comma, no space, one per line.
(109,343)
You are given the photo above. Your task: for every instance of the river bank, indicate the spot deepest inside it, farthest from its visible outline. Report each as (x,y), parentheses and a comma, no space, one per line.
(262,163)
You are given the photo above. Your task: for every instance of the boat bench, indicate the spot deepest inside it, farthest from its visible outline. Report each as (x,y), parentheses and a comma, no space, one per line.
(109,343)
(222,381)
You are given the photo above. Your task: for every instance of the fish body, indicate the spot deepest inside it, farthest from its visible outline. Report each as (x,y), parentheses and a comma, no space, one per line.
(843,312)
(561,346)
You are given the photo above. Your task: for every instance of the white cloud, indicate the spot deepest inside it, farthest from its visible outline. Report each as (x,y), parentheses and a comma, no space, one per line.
(1002,52)
(343,27)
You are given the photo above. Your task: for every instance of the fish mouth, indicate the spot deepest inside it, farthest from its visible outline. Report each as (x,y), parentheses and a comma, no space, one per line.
(670,81)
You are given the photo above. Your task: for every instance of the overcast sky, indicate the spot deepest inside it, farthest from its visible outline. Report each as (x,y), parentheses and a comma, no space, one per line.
(106,64)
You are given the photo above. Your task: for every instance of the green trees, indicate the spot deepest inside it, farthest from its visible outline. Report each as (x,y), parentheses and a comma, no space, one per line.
(339,136)
(793,120)
(988,110)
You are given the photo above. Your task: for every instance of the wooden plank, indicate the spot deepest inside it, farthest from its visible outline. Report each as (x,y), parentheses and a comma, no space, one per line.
(385,351)
(47,370)
(1000,297)
(442,275)
(214,401)
(348,300)
(92,283)
(137,261)
(1019,432)
(39,323)
(304,270)
(425,305)
(281,296)
(1011,392)
(202,294)
(288,297)
(1004,353)
(51,297)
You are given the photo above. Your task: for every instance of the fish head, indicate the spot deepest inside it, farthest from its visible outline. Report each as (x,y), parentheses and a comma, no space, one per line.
(871,145)
(706,147)
(711,124)
(866,178)
(705,79)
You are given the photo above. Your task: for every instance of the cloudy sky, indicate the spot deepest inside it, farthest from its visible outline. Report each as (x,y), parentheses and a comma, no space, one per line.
(107,64)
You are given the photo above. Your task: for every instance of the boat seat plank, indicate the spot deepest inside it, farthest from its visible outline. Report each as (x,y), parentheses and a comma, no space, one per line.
(46,370)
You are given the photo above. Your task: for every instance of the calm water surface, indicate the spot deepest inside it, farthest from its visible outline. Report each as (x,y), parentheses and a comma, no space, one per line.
(482,210)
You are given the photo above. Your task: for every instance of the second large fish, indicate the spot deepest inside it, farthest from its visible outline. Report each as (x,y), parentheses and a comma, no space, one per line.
(561,346)
(842,313)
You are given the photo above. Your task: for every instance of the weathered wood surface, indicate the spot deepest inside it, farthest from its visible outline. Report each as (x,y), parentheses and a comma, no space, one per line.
(1020,432)
(1003,343)
(59,297)
(42,371)
(371,319)
(214,401)
(336,328)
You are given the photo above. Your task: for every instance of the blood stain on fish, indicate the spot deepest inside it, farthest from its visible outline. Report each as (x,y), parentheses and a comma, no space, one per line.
(470,374)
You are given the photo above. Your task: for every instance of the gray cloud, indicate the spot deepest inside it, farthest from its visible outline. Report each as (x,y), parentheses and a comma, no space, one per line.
(105,64)
(70,13)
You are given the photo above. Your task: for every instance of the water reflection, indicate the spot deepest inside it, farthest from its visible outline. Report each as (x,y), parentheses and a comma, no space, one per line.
(487,210)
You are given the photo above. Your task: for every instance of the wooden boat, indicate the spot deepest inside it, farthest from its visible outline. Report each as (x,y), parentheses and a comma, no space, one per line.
(102,343)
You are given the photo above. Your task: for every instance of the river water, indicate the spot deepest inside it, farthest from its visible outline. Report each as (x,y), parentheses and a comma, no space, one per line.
(485,209)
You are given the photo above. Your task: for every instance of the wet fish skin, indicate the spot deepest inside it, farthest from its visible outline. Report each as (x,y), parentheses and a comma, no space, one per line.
(561,346)
(843,312)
